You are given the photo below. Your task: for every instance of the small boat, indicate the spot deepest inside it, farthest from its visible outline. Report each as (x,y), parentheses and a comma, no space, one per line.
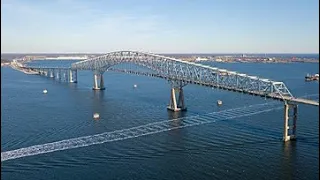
(219,102)
(135,86)
(314,77)
(45,91)
(96,116)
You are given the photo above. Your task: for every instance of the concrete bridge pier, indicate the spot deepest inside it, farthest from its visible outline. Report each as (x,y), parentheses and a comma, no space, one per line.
(58,75)
(98,77)
(64,73)
(289,131)
(51,73)
(73,76)
(174,105)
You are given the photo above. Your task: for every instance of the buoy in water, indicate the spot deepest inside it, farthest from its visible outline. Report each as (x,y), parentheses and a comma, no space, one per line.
(219,102)
(96,115)
(45,91)
(135,86)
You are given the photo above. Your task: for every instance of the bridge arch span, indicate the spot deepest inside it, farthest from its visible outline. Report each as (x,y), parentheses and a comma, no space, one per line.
(178,70)
(157,63)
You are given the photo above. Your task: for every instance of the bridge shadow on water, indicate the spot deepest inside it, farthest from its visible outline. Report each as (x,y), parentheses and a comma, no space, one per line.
(178,118)
(97,101)
(288,159)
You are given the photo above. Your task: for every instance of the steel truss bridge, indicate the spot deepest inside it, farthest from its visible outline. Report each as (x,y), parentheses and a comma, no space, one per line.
(179,73)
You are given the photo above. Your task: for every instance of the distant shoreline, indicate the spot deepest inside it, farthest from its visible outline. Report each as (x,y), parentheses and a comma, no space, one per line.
(257,62)
(226,58)
(262,62)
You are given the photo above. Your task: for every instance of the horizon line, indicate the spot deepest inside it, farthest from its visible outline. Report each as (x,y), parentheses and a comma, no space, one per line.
(159,53)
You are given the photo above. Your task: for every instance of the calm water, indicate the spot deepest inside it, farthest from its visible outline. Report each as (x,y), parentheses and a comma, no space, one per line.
(241,148)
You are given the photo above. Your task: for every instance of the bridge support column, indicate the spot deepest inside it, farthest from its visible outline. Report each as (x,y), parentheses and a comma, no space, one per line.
(64,76)
(174,105)
(289,131)
(98,77)
(51,73)
(73,76)
(58,76)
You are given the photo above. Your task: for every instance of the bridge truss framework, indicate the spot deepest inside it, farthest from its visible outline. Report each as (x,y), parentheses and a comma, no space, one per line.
(180,73)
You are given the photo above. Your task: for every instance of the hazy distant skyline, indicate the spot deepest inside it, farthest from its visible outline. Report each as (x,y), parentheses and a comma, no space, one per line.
(202,26)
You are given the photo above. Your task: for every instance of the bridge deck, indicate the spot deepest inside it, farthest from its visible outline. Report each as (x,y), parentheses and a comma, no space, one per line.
(208,84)
(303,101)
(46,68)
(255,93)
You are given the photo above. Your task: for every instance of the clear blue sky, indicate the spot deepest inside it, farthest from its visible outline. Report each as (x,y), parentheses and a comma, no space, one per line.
(160,26)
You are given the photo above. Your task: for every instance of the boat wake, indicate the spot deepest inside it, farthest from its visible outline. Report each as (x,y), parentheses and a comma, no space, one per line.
(138,131)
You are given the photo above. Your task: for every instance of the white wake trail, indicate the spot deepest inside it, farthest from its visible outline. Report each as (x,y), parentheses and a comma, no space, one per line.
(138,131)
(147,129)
